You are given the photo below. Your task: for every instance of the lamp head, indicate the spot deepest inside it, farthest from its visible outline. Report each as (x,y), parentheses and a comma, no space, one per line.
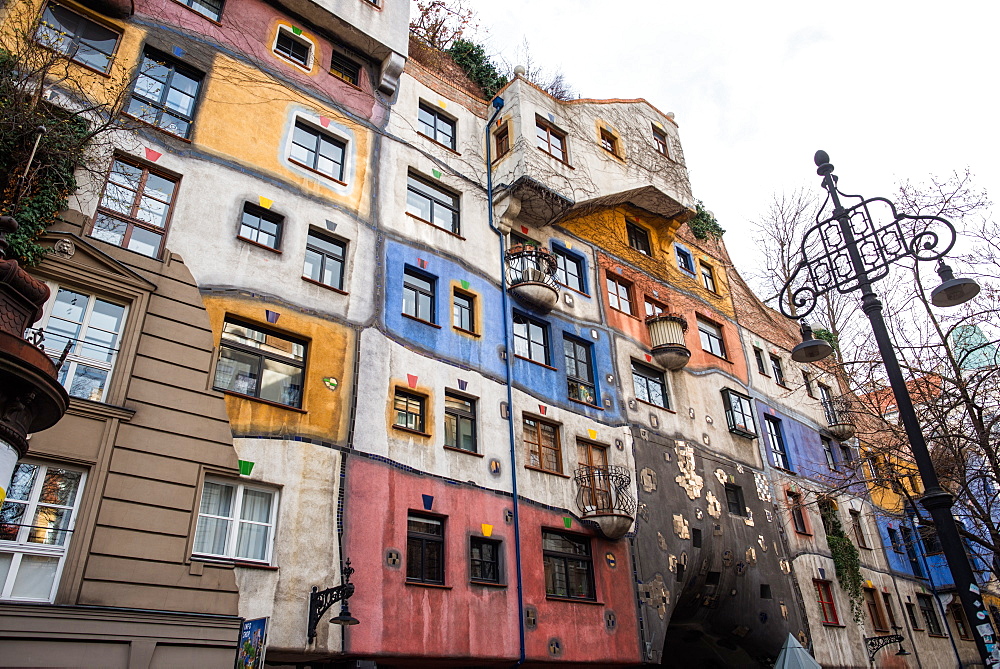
(952,292)
(811,349)
(345,617)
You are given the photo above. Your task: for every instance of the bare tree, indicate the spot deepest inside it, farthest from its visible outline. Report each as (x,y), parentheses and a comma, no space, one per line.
(439,23)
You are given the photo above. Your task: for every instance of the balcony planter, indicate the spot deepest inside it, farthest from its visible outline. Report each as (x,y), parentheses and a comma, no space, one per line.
(603,498)
(531,276)
(666,331)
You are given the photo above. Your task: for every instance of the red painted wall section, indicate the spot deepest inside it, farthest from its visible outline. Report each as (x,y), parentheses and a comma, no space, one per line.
(466,620)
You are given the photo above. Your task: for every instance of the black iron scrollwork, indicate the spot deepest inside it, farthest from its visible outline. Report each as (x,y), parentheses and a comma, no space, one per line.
(320,601)
(876,643)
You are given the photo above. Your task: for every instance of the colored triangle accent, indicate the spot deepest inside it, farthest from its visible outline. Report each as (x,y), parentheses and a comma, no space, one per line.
(436,173)
(524,229)
(442,104)
(592,433)
(569,246)
(245,467)
(542,409)
(465,285)
(179,52)
(568,522)
(428,502)
(331,226)
(462,384)
(265,202)
(272,316)
(297,31)
(552,118)
(421,263)
(152,155)
(411,380)
(324,121)
(487,530)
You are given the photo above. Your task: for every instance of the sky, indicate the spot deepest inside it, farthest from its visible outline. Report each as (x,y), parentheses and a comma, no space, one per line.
(893,91)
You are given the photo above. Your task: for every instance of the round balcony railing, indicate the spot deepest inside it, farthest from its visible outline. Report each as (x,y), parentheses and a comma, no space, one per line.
(603,497)
(531,276)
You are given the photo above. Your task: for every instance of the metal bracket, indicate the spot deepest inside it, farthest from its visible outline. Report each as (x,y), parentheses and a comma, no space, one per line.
(877,643)
(321,600)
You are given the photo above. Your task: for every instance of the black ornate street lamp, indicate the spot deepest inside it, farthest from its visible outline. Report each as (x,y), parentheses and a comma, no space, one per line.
(321,600)
(849,251)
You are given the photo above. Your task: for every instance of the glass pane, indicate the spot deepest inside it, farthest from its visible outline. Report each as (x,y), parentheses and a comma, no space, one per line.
(145,242)
(209,8)
(579,578)
(109,230)
(211,534)
(5,561)
(281,382)
(313,265)
(256,506)
(88,383)
(251,543)
(11,517)
(107,316)
(49,526)
(92,57)
(152,211)
(148,87)
(35,577)
(217,499)
(60,486)
(424,525)
(22,482)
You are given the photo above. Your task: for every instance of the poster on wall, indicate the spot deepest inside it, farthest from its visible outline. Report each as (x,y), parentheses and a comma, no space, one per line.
(253,641)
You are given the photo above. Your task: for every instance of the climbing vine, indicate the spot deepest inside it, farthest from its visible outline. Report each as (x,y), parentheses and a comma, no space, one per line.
(827,336)
(704,223)
(846,560)
(473,59)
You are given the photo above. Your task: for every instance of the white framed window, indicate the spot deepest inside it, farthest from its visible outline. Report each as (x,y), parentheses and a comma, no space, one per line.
(36,525)
(91,326)
(236,521)
(294,47)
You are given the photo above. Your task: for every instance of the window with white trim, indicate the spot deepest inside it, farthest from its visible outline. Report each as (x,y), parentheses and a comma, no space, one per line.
(36,525)
(236,521)
(91,327)
(317,151)
(292,47)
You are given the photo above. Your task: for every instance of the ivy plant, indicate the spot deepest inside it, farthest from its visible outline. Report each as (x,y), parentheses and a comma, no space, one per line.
(846,560)
(704,224)
(472,58)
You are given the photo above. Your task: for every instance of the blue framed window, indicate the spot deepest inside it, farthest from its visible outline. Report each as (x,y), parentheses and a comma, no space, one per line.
(570,269)
(684,259)
(777,441)
(579,371)
(418,295)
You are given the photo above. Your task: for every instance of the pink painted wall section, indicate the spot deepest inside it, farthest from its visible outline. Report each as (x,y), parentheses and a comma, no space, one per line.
(465,620)
(248,27)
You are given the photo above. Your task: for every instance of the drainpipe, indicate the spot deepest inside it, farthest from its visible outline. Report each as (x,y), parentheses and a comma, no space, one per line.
(508,350)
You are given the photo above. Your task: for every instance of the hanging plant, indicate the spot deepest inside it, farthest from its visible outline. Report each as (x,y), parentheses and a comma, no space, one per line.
(704,223)
(846,560)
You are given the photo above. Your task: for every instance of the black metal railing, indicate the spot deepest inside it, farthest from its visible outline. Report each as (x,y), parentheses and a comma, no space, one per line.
(837,411)
(604,491)
(530,264)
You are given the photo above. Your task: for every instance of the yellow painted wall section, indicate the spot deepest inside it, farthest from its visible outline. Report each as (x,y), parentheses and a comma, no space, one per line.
(249,118)
(330,350)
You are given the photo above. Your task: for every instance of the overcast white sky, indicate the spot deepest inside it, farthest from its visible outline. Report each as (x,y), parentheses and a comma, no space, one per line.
(891,90)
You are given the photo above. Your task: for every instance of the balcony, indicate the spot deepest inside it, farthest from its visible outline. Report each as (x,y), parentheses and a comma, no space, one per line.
(531,276)
(666,332)
(838,418)
(603,497)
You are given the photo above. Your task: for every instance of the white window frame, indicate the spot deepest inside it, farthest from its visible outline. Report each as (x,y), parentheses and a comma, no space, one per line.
(21,546)
(73,359)
(301,39)
(236,522)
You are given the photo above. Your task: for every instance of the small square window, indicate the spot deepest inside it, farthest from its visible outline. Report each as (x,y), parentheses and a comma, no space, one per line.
(550,140)
(798,513)
(739,413)
(734,500)
(236,521)
(324,261)
(542,442)
(652,307)
(660,142)
(484,560)
(649,385)
(459,422)
(569,567)
(261,226)
(78,38)
(831,462)
(501,140)
(260,363)
(424,549)
(711,338)
(708,277)
(318,151)
(758,356)
(463,311)
(638,238)
(210,8)
(569,269)
(609,142)
(684,259)
(926,604)
(408,409)
(164,94)
(418,295)
(858,529)
(808,384)
(531,339)
(619,294)
(344,68)
(434,124)
(779,373)
(292,47)
(432,204)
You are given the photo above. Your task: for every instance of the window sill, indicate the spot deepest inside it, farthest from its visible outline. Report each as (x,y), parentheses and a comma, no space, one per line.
(613,154)
(586,404)
(487,584)
(258,244)
(156,127)
(233,562)
(326,176)
(470,333)
(443,146)
(462,450)
(625,313)
(79,406)
(420,320)
(716,355)
(782,385)
(436,586)
(804,534)
(435,226)
(787,471)
(339,78)
(937,636)
(573,600)
(278,405)
(578,292)
(533,362)
(546,471)
(409,431)
(657,406)
(555,158)
(304,69)
(841,626)
(323,285)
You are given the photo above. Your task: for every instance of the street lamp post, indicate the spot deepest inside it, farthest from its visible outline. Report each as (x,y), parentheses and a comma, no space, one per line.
(849,251)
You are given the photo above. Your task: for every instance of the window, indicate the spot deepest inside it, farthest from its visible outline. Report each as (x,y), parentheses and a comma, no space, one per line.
(501,141)
(894,540)
(649,385)
(92,327)
(484,560)
(36,525)
(569,269)
(828,452)
(660,141)
(708,277)
(824,597)
(210,8)
(595,489)
(344,68)
(807,382)
(961,623)
(765,591)
(261,226)
(550,140)
(874,613)
(798,513)
(261,364)
(579,371)
(290,46)
(432,204)
(459,422)
(911,613)
(887,601)
(684,259)
(236,521)
(774,436)
(638,238)
(542,440)
(134,208)
(711,338)
(569,568)
(910,546)
(409,410)
(77,37)
(418,295)
(739,414)
(608,141)
(324,261)
(463,310)
(652,307)
(858,529)
(164,94)
(318,151)
(779,373)
(930,539)
(619,294)
(424,549)
(531,339)
(926,604)
(734,500)
(432,123)
(758,356)
(845,454)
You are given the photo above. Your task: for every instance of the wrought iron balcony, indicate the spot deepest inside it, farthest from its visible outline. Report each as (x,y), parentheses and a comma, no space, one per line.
(603,497)
(531,276)
(838,418)
(666,332)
